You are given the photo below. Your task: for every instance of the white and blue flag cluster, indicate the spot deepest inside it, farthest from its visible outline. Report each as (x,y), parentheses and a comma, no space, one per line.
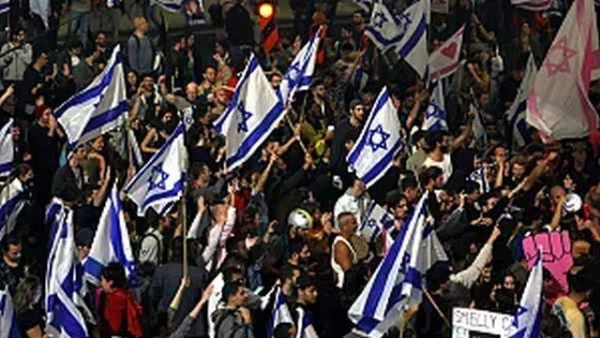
(378,222)
(399,278)
(435,115)
(12,200)
(528,318)
(8,319)
(405,33)
(4,8)
(159,184)
(299,75)
(99,108)
(7,153)
(378,143)
(254,111)
(111,242)
(64,281)
(280,313)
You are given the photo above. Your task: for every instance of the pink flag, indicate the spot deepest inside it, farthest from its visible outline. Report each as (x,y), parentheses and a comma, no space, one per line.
(559,106)
(532,5)
(444,60)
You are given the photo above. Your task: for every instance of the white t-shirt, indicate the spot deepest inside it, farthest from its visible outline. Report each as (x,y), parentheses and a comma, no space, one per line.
(445,165)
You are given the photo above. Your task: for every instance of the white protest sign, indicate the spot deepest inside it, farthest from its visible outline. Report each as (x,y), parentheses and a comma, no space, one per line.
(470,323)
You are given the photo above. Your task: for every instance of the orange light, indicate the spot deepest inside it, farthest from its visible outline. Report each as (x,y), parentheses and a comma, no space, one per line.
(266,10)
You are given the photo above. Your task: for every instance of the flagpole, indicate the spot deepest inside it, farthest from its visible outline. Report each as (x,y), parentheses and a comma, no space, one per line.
(184,230)
(436,307)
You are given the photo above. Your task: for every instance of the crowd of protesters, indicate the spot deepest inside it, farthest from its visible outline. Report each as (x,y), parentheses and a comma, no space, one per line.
(289,215)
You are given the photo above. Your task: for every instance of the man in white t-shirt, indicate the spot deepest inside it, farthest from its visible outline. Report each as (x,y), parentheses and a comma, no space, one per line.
(437,154)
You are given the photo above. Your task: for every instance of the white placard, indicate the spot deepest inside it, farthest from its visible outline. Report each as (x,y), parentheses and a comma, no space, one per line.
(469,323)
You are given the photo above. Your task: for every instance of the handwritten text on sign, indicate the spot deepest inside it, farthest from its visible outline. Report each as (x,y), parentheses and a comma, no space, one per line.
(468,323)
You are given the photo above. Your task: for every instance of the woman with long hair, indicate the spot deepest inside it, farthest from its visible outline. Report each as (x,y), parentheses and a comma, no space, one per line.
(30,316)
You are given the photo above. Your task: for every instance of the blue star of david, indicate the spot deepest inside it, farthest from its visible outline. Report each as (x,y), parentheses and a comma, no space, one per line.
(158,178)
(379,20)
(403,21)
(520,312)
(405,261)
(245,116)
(292,74)
(377,138)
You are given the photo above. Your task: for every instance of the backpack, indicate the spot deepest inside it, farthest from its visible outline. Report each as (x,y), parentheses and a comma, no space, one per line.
(134,317)
(220,321)
(146,267)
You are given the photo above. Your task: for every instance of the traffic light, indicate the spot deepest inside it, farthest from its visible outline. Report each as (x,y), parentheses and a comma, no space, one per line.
(266,10)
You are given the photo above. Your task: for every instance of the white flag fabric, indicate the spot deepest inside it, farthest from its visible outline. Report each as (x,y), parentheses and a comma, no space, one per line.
(8,319)
(516,114)
(404,33)
(4,8)
(159,184)
(299,75)
(63,275)
(7,153)
(280,313)
(398,280)
(378,143)
(479,132)
(41,8)
(533,5)
(12,201)
(304,326)
(213,302)
(135,153)
(435,115)
(99,108)
(527,321)
(187,116)
(172,6)
(558,105)
(445,60)
(254,111)
(378,222)
(111,242)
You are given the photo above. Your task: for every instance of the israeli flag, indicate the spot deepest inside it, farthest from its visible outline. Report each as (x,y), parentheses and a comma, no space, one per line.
(63,276)
(517,113)
(479,133)
(99,108)
(378,143)
(435,115)
(280,313)
(187,116)
(300,72)
(159,183)
(4,8)
(111,242)
(479,176)
(172,6)
(405,34)
(7,153)
(254,111)
(304,326)
(8,320)
(378,222)
(529,315)
(398,280)
(12,200)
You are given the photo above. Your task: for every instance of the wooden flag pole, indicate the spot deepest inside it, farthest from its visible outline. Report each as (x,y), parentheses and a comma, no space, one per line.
(184,231)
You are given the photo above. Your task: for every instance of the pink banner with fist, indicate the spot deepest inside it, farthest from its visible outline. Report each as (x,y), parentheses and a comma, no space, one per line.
(556,253)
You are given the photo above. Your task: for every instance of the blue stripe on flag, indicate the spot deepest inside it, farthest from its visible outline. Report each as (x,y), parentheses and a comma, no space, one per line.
(90,93)
(257,136)
(5,168)
(236,95)
(414,39)
(166,194)
(383,164)
(363,140)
